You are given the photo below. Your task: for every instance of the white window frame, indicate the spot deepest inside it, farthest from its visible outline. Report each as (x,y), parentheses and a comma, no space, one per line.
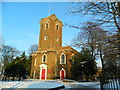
(46,24)
(35,61)
(61,58)
(43,57)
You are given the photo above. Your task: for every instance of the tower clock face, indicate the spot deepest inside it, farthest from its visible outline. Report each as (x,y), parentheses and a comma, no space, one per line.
(45,37)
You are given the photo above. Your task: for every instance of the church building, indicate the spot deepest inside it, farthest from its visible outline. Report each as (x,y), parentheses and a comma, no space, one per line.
(51,60)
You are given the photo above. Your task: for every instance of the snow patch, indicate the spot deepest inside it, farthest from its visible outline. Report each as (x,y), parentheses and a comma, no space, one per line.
(31,84)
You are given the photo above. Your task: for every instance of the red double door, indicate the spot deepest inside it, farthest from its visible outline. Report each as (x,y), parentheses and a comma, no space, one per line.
(43,74)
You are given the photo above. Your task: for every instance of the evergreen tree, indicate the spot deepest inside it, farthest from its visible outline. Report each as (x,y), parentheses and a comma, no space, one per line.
(19,67)
(84,65)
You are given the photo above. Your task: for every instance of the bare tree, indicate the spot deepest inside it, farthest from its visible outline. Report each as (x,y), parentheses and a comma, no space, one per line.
(93,37)
(33,48)
(9,53)
(105,13)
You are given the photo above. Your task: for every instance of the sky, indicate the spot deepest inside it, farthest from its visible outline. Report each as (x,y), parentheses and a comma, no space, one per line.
(21,27)
(20,22)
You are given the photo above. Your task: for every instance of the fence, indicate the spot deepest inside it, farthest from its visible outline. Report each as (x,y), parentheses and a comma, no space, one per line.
(110,81)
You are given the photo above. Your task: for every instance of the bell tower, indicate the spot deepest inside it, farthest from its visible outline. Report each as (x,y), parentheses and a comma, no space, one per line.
(50,33)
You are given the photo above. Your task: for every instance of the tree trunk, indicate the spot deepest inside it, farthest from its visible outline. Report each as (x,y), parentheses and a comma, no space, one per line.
(87,78)
(8,78)
(19,78)
(102,60)
(5,78)
(13,78)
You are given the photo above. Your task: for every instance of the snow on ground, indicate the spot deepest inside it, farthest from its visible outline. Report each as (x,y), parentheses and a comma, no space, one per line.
(82,84)
(75,84)
(30,84)
(8,84)
(91,84)
(48,84)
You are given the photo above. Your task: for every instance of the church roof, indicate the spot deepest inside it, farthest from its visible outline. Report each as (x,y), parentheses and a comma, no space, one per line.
(70,48)
(52,17)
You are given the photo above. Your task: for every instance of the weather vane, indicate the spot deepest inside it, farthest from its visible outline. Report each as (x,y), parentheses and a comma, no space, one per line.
(49,10)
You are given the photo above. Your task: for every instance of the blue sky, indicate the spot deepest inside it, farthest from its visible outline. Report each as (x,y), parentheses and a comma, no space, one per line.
(21,26)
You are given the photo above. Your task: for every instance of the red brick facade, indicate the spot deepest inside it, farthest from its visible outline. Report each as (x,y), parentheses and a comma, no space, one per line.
(51,60)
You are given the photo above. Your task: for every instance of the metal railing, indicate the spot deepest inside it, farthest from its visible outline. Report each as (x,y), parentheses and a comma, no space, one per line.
(110,81)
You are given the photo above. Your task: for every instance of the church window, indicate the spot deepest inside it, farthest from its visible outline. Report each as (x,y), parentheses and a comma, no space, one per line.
(57,27)
(57,39)
(63,59)
(44,58)
(46,37)
(46,25)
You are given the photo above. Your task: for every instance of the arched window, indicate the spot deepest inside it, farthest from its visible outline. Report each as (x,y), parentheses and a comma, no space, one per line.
(63,59)
(57,39)
(44,58)
(46,25)
(57,27)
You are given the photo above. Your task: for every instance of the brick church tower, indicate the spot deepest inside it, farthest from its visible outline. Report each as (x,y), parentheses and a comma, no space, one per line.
(51,59)
(50,33)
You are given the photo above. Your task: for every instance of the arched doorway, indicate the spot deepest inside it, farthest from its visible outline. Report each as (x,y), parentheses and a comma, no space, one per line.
(43,72)
(62,74)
